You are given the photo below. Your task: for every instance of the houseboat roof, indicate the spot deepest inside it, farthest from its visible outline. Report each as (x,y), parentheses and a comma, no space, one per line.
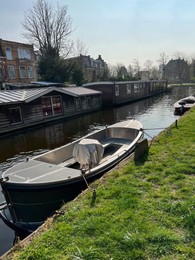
(28,95)
(98,83)
(46,83)
(80,91)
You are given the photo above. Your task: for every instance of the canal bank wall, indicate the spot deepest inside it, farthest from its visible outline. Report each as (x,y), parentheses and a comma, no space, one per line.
(163,181)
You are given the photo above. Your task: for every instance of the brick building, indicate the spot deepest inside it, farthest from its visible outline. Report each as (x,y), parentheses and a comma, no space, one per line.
(17,62)
(93,69)
(177,71)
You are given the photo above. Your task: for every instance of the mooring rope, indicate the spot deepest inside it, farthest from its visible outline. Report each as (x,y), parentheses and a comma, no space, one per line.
(156,128)
(148,135)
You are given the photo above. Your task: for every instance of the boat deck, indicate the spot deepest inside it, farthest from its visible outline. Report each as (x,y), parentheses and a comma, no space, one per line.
(34,171)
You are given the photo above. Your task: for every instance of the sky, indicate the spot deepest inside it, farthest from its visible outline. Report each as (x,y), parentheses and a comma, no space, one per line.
(121,31)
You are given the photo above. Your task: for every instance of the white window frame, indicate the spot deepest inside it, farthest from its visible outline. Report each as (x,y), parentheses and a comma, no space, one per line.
(30,72)
(24,54)
(23,72)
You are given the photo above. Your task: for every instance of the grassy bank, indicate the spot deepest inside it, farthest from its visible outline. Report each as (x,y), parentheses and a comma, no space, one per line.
(181,84)
(142,210)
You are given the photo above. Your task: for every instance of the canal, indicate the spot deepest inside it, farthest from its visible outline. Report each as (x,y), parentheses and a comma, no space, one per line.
(155,113)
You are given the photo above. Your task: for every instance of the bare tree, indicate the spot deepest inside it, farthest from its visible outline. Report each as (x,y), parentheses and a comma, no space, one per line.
(192,68)
(79,48)
(163,61)
(112,72)
(154,72)
(48,29)
(137,68)
(130,71)
(148,67)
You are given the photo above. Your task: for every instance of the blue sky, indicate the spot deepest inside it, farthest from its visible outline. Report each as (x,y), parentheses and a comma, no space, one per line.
(120,30)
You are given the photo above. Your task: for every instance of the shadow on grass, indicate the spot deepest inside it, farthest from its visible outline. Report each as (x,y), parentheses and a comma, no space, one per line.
(141,160)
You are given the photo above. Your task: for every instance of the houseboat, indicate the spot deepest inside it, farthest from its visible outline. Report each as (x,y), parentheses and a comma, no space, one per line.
(24,108)
(120,92)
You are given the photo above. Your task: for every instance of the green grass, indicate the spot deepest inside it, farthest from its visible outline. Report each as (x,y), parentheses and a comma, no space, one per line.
(141,211)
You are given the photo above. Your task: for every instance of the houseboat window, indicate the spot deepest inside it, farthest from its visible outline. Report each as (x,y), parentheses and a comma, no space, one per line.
(46,106)
(136,87)
(30,72)
(152,86)
(51,106)
(11,72)
(15,115)
(23,72)
(9,53)
(89,102)
(57,105)
(78,104)
(24,54)
(128,88)
(116,90)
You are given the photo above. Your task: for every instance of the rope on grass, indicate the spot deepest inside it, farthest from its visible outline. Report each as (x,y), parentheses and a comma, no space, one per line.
(156,128)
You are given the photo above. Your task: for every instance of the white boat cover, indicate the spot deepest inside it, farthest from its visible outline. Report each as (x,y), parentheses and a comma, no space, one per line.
(88,152)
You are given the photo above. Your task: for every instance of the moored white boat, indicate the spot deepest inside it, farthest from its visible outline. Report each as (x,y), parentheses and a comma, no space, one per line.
(36,188)
(184,104)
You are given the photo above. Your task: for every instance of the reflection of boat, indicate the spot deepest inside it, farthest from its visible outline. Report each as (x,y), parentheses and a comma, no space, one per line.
(184,104)
(36,188)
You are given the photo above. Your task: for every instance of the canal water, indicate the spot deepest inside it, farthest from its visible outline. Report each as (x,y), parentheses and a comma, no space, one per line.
(156,113)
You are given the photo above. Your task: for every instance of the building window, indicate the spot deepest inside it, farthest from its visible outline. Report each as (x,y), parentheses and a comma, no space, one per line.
(11,72)
(51,105)
(23,72)
(128,88)
(24,54)
(116,90)
(30,72)
(8,53)
(15,115)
